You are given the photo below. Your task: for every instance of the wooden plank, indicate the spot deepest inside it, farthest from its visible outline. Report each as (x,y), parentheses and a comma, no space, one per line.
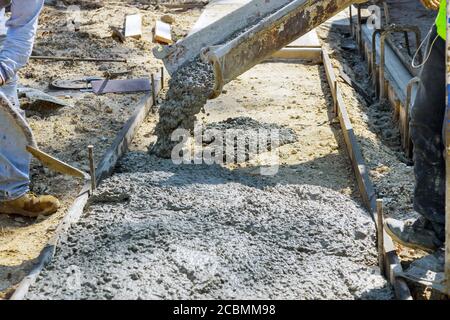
(331,78)
(307,47)
(163,33)
(133,26)
(393,266)
(104,169)
(313,54)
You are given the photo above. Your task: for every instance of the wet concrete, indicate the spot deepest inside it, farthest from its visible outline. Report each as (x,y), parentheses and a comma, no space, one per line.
(247,126)
(189,89)
(240,139)
(160,231)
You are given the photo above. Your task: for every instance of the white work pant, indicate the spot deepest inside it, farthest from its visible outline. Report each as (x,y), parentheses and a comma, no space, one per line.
(14,160)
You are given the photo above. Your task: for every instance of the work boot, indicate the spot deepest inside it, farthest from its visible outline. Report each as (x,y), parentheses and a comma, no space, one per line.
(413,233)
(30,205)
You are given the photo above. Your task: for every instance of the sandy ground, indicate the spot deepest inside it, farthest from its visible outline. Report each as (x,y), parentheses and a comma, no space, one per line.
(157,230)
(89,119)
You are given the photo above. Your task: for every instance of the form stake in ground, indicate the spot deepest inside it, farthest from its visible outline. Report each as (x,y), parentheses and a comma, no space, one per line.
(380,235)
(92,167)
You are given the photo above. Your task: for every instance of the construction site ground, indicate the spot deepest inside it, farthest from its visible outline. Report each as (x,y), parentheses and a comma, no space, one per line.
(90,119)
(158,230)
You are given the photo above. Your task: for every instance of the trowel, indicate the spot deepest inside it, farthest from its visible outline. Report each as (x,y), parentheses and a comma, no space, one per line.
(15,125)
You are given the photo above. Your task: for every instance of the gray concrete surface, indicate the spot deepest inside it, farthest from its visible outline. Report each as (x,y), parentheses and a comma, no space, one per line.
(159,231)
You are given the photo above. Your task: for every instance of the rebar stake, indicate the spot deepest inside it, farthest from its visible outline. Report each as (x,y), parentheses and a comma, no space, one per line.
(92,167)
(153,90)
(380,234)
(335,99)
(162,77)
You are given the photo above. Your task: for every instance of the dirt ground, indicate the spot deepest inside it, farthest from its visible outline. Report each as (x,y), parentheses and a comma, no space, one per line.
(89,119)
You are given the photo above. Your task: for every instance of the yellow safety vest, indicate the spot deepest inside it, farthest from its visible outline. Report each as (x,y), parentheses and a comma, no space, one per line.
(441,20)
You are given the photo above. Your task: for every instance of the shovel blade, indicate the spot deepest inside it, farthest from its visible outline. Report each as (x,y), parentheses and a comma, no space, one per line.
(57,165)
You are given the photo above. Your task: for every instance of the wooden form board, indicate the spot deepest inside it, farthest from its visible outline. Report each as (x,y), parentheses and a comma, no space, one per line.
(310,54)
(309,40)
(393,266)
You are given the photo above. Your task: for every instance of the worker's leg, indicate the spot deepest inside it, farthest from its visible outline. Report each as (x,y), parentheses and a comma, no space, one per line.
(14,159)
(15,169)
(14,162)
(427,118)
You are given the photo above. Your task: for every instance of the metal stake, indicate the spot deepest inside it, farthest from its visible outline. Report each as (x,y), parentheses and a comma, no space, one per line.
(335,98)
(380,234)
(153,89)
(92,167)
(351,21)
(162,77)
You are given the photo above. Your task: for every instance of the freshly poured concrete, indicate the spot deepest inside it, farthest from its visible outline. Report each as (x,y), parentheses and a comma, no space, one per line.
(158,230)
(197,232)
